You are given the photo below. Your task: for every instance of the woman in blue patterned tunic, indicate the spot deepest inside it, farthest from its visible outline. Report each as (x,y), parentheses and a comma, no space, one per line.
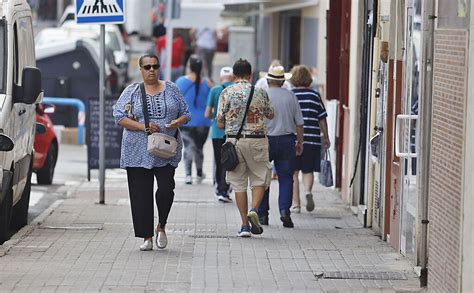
(167,111)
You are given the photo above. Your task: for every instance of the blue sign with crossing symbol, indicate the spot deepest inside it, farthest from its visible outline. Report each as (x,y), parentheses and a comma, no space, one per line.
(100,11)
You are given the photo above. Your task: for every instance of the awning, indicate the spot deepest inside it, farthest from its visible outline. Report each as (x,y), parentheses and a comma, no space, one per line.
(283,6)
(231,2)
(198,14)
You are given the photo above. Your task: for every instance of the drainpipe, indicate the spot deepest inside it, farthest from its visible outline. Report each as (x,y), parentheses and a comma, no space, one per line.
(371,14)
(424,147)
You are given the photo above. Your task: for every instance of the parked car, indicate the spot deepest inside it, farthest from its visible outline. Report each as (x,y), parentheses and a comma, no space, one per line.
(20,90)
(69,14)
(46,146)
(116,60)
(70,69)
(116,36)
(113,41)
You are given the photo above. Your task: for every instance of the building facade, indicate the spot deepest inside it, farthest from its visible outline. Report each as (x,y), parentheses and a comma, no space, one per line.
(400,72)
(415,186)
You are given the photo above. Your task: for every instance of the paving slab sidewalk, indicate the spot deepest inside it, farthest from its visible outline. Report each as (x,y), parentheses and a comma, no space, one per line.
(80,245)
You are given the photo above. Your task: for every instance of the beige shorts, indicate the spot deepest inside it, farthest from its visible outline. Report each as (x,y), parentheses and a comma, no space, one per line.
(254,165)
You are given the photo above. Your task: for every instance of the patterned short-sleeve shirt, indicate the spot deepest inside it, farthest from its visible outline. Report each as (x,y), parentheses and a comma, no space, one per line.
(162,108)
(232,105)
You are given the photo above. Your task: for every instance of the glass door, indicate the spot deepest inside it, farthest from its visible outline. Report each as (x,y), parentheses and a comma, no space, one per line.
(407,129)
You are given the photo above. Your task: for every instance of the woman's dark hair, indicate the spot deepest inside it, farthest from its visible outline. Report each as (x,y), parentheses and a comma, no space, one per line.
(242,68)
(195,65)
(140,61)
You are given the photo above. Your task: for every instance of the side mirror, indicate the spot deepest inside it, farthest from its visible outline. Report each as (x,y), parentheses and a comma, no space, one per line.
(6,143)
(40,128)
(30,90)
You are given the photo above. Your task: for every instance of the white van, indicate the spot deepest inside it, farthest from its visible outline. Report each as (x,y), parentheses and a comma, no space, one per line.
(20,91)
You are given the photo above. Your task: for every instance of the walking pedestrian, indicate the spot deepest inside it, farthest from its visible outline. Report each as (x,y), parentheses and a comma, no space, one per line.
(252,146)
(281,136)
(167,111)
(262,81)
(263,84)
(314,116)
(218,135)
(158,23)
(206,44)
(177,54)
(195,90)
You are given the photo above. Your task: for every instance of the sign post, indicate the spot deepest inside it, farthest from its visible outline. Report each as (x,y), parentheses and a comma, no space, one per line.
(101,12)
(102,117)
(169,40)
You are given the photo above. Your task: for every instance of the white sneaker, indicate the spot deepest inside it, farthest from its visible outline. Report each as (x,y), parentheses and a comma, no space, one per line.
(295,209)
(224,198)
(199,179)
(244,232)
(188,180)
(147,245)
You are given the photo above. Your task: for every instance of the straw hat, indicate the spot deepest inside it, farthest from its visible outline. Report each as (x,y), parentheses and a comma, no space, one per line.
(226,71)
(275,62)
(278,73)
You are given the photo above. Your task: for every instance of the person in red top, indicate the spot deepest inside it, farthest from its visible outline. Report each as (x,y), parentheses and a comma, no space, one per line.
(177,50)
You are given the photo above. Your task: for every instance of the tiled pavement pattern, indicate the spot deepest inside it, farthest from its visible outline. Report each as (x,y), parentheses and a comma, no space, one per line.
(84,246)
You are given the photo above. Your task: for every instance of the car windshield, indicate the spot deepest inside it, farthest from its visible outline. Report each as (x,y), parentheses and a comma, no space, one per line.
(3,56)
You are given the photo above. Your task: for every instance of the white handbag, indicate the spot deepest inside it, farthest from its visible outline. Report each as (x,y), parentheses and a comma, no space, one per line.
(159,144)
(162,145)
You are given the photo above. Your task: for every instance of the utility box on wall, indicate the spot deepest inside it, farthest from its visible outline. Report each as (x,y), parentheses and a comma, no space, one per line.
(242,44)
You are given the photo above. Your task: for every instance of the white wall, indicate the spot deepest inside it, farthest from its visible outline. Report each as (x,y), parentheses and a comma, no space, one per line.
(241,44)
(355,71)
(321,11)
(137,16)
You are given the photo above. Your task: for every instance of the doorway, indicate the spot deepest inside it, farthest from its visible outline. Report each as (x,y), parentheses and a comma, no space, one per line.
(407,130)
(290,38)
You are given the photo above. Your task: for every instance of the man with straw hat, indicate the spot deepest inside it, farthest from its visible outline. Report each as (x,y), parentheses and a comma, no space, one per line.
(285,136)
(262,81)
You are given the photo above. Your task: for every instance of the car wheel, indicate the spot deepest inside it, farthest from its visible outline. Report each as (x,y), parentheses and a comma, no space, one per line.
(45,174)
(6,215)
(20,210)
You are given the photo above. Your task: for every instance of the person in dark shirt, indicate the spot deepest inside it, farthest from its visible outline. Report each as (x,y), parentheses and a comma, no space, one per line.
(159,29)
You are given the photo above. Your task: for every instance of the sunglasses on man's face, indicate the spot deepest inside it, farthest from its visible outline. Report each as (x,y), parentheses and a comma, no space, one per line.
(150,66)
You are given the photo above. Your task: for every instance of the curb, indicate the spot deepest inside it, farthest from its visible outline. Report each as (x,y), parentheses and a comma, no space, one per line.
(26,230)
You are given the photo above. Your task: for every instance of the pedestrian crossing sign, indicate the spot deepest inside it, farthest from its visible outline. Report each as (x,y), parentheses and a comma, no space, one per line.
(100,11)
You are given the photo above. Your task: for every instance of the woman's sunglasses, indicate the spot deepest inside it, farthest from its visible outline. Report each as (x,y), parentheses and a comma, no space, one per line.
(150,66)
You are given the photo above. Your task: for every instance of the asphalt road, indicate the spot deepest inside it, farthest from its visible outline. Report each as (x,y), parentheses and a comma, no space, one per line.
(71,169)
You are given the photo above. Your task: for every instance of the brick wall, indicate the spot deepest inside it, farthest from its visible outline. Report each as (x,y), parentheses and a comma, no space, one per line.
(445,202)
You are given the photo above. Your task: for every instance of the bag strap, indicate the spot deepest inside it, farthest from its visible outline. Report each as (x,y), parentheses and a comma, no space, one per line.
(145,111)
(246,110)
(327,155)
